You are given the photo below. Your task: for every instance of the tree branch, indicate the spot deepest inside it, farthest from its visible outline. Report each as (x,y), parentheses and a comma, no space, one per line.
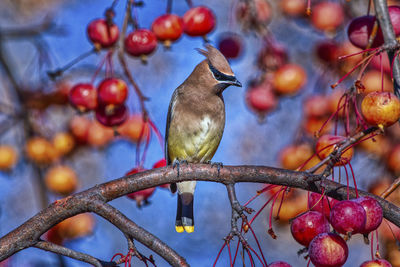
(28,233)
(48,246)
(132,230)
(385,24)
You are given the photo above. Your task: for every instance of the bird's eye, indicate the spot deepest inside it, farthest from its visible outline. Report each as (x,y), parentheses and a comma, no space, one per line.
(217,76)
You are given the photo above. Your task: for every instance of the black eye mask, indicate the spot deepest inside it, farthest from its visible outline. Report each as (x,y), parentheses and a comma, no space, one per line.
(219,76)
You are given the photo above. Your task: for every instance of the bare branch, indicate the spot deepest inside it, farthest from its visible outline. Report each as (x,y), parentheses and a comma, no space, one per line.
(48,246)
(132,230)
(26,235)
(385,24)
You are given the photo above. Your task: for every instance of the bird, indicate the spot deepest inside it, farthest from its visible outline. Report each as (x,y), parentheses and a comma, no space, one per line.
(195,124)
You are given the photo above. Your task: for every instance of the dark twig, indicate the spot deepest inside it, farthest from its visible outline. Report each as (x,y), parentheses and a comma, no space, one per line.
(48,246)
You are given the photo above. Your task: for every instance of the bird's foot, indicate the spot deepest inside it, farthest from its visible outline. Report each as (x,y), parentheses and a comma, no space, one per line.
(219,165)
(177,163)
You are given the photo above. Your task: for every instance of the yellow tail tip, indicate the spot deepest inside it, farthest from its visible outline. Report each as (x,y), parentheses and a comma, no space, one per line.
(189,229)
(179,229)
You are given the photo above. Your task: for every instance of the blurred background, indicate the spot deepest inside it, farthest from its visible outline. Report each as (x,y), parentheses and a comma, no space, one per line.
(286,62)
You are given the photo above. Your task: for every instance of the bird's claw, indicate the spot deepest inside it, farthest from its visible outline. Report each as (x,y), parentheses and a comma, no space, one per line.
(177,164)
(219,165)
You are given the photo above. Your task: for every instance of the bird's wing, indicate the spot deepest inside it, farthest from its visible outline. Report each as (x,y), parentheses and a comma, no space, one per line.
(169,118)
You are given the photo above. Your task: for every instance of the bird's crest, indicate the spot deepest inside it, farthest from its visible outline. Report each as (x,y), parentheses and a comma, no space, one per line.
(216,59)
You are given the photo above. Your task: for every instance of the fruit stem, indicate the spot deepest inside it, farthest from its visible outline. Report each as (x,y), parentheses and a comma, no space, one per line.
(365,65)
(319,200)
(265,204)
(354,178)
(259,247)
(259,192)
(236,252)
(124,65)
(219,253)
(380,62)
(372,36)
(255,253)
(230,254)
(357,53)
(100,66)
(272,208)
(347,182)
(352,70)
(158,134)
(372,246)
(146,148)
(377,244)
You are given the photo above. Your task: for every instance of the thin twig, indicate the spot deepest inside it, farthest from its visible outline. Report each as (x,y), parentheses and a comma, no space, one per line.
(48,246)
(391,188)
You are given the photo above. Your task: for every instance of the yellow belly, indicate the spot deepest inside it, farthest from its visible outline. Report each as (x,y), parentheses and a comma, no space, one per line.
(193,146)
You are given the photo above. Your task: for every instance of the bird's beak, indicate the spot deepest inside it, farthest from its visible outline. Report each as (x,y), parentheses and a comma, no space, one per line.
(236,83)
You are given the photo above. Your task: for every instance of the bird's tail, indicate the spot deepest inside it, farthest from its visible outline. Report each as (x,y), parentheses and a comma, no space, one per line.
(184,214)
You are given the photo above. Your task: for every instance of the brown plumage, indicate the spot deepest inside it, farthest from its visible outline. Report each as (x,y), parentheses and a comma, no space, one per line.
(195,123)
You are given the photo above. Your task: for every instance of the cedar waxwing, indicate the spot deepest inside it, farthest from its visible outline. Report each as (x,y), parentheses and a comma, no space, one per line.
(195,124)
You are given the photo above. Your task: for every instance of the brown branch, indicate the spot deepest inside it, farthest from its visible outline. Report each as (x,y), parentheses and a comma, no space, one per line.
(132,230)
(385,24)
(237,213)
(48,246)
(28,233)
(391,188)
